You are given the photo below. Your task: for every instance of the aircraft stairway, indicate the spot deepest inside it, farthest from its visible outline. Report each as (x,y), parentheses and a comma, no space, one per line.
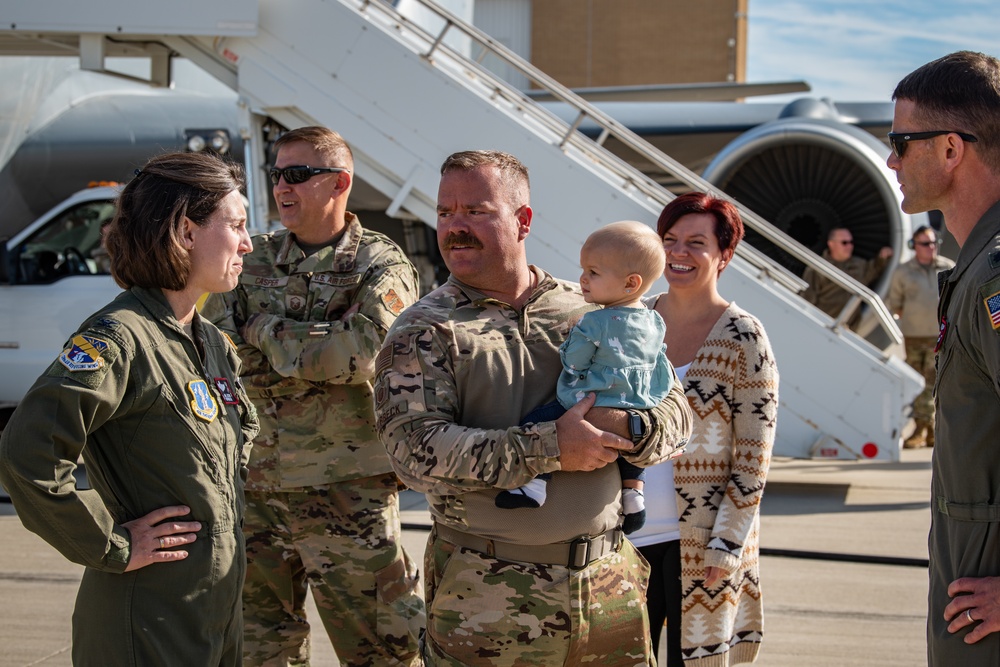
(406,96)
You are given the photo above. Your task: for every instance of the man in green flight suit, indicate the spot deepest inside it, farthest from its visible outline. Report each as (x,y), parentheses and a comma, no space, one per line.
(946,154)
(309,316)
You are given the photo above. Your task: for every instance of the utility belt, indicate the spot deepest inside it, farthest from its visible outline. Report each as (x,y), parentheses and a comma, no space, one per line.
(981,512)
(576,554)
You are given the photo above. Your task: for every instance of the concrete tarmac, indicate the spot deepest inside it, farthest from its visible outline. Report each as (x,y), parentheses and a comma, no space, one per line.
(822,608)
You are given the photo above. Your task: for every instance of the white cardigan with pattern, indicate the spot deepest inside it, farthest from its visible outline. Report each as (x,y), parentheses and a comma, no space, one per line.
(732,387)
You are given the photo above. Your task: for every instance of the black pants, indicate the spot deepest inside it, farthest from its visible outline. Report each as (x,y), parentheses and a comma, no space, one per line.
(663,600)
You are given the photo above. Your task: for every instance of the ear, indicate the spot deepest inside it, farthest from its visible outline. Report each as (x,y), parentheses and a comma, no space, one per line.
(633,282)
(188,230)
(345,180)
(523,216)
(727,256)
(954,152)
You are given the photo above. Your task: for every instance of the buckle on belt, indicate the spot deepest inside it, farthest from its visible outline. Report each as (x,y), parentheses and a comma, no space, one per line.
(579,557)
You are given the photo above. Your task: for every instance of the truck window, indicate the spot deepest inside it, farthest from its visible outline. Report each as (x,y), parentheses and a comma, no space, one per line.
(69,245)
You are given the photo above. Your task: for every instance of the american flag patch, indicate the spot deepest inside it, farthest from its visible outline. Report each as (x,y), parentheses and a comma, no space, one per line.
(993,309)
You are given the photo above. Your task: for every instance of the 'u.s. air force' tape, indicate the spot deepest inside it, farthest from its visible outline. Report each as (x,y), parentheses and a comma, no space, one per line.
(83,354)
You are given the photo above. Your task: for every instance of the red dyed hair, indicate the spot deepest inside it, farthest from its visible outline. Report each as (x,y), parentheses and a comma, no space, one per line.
(728,224)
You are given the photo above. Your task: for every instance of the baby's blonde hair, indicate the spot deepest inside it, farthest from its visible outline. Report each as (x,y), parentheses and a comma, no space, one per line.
(631,247)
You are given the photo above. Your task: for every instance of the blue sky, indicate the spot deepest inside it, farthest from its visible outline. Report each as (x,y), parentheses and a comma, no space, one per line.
(856,50)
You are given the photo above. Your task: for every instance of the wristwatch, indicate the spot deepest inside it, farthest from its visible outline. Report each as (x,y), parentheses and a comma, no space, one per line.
(636,426)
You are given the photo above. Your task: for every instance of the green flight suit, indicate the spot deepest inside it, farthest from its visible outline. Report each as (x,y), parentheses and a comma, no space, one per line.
(159,421)
(965,483)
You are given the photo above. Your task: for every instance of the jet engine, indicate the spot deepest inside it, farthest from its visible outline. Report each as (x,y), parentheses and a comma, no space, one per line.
(807,175)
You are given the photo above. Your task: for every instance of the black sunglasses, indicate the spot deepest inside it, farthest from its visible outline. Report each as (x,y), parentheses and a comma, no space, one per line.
(301,173)
(898,140)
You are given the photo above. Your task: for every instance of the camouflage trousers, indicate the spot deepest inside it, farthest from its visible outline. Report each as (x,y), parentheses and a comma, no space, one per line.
(342,542)
(920,357)
(490,613)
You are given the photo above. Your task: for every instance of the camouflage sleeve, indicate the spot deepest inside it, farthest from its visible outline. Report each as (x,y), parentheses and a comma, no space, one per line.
(668,428)
(897,287)
(340,352)
(228,312)
(39,453)
(416,409)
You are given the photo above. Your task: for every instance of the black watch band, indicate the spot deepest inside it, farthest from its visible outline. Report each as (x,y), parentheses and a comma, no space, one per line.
(636,426)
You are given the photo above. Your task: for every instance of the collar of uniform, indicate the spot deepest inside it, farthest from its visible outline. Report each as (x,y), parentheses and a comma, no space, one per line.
(340,258)
(155,301)
(545,283)
(986,232)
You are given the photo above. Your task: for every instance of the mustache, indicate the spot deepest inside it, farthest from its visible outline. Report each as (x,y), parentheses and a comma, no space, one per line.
(463,239)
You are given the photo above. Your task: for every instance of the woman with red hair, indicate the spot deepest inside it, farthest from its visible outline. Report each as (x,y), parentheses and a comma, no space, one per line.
(703,508)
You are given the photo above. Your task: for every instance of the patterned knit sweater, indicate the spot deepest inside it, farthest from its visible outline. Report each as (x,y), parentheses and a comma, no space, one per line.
(732,387)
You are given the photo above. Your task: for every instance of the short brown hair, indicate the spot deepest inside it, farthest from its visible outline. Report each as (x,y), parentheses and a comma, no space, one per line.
(959,92)
(144,241)
(634,248)
(324,140)
(728,224)
(513,173)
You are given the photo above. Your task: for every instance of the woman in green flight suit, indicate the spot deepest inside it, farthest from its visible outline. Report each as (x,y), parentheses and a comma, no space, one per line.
(148,393)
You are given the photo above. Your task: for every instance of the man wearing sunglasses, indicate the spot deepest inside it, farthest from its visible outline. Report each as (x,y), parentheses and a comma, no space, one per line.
(312,308)
(913,299)
(826,294)
(946,137)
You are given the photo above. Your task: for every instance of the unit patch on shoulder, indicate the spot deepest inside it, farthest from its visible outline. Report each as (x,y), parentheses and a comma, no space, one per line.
(202,404)
(84,354)
(393,302)
(992,304)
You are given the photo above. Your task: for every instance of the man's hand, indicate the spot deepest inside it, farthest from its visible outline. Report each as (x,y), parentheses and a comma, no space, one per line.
(975,604)
(583,446)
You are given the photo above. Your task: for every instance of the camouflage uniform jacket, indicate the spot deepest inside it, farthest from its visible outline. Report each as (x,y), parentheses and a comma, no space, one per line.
(159,422)
(913,293)
(457,370)
(309,373)
(830,297)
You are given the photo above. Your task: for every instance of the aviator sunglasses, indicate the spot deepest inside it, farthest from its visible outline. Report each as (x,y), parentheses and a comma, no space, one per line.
(301,173)
(898,140)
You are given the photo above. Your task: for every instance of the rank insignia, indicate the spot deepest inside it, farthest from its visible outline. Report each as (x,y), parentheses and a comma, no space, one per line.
(226,391)
(992,304)
(84,354)
(202,403)
(393,302)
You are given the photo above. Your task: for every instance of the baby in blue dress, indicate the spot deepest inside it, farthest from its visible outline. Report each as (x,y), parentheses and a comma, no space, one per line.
(616,352)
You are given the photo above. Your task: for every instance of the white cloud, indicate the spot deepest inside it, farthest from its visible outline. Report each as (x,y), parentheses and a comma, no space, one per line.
(857,49)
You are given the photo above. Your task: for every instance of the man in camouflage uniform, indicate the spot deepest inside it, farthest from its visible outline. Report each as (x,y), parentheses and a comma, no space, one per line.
(556,585)
(913,299)
(946,155)
(309,315)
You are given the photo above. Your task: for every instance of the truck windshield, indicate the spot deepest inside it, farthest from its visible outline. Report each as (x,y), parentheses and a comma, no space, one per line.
(69,245)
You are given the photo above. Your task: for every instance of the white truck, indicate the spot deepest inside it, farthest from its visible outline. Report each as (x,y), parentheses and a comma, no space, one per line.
(53,276)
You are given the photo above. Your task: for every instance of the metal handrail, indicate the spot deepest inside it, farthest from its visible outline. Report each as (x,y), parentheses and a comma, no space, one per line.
(630,176)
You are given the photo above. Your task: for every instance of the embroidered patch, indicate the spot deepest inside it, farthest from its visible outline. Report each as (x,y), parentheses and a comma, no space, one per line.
(84,354)
(992,304)
(393,302)
(226,391)
(203,405)
(942,330)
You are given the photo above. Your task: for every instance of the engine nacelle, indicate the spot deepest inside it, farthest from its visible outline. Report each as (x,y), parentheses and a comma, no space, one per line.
(807,175)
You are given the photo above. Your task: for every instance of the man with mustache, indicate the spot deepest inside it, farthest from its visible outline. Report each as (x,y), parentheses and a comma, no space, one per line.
(556,585)
(308,317)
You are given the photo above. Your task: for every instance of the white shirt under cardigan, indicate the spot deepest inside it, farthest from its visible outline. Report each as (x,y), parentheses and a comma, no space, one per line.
(662,521)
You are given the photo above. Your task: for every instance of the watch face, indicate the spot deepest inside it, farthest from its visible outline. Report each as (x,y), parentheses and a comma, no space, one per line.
(635,427)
